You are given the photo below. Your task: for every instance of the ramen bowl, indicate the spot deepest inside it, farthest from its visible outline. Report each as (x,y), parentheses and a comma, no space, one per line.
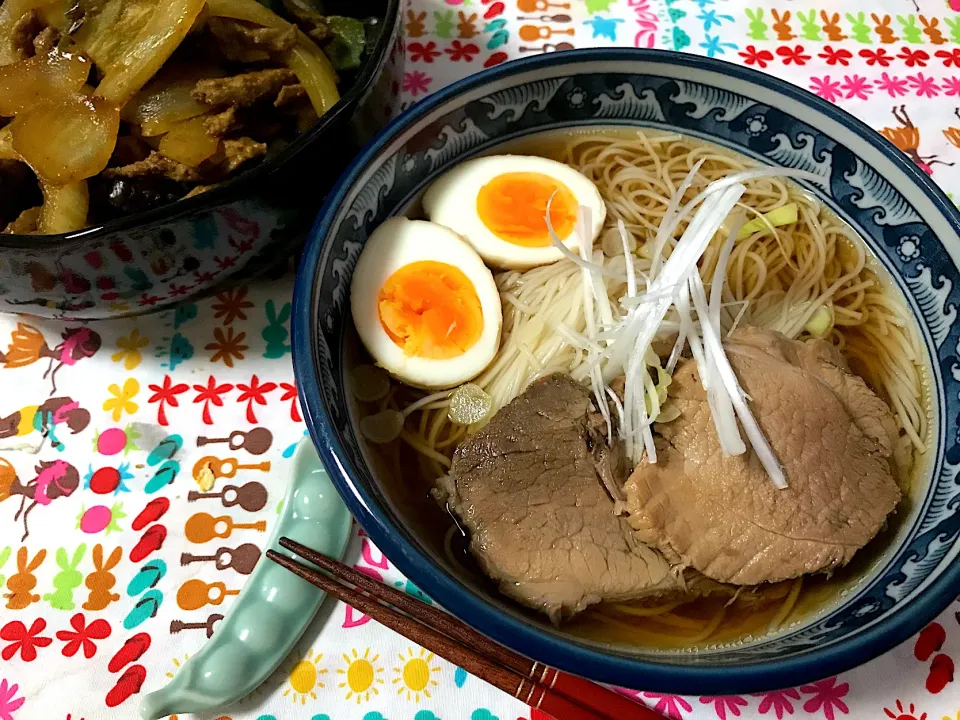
(907,223)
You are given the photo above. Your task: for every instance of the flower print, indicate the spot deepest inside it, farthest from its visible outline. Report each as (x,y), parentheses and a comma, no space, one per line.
(836,57)
(426,53)
(290,393)
(9,702)
(909,247)
(416,82)
(709,18)
(148,300)
(779,701)
(856,86)
(671,706)
(756,124)
(83,636)
(826,88)
(901,714)
(122,400)
(255,392)
(178,290)
(210,393)
(950,86)
(167,393)
(462,51)
(876,57)
(826,695)
(713,47)
(913,58)
(129,349)
(923,86)
(793,55)
(231,305)
(22,640)
(576,97)
(225,262)
(951,58)
(892,86)
(752,56)
(227,346)
(724,704)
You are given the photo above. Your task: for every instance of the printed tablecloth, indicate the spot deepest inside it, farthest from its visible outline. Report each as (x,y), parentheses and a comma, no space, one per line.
(106,591)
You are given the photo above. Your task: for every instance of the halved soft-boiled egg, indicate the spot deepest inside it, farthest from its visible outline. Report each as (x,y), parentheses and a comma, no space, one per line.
(499,204)
(425,305)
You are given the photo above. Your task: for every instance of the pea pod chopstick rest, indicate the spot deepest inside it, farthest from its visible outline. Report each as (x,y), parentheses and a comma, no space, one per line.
(273,609)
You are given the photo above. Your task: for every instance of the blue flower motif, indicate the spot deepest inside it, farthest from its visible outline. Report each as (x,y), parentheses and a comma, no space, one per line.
(373,716)
(710,18)
(909,247)
(756,125)
(425,715)
(460,677)
(483,714)
(604,27)
(714,47)
(320,717)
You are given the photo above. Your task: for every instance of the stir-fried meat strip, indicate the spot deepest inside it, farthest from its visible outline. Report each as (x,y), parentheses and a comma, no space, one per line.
(290,94)
(239,151)
(155,164)
(46,40)
(241,42)
(25,223)
(243,90)
(221,123)
(28,27)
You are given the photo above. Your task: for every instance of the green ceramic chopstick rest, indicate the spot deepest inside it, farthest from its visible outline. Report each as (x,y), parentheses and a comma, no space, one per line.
(272,611)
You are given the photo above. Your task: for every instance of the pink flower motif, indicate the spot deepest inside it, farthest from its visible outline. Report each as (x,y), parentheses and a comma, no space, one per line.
(856,86)
(669,705)
(950,86)
(826,88)
(416,82)
(826,695)
(778,701)
(892,86)
(9,702)
(722,704)
(923,86)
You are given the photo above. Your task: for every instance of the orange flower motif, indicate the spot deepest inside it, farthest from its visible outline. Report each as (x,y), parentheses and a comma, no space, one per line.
(227,346)
(232,305)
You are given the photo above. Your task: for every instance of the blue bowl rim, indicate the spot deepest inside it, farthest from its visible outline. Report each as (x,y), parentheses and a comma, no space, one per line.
(526,638)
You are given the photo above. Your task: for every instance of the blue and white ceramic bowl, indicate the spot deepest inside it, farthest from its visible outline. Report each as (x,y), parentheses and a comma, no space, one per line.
(908,223)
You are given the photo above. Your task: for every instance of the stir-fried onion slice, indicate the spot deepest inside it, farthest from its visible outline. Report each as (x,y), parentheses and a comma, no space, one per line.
(306,60)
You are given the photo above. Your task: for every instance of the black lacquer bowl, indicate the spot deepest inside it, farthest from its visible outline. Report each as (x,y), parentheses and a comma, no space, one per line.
(244,227)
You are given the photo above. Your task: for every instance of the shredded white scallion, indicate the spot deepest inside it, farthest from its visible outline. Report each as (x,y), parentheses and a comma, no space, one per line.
(616,341)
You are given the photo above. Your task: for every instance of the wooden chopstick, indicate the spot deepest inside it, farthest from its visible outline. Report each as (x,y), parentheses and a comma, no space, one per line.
(535,695)
(603,701)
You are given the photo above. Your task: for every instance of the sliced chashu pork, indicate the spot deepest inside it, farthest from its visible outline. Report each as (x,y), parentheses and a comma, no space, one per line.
(529,488)
(723,516)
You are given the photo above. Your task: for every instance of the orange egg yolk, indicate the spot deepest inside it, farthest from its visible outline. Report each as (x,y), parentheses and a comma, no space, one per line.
(431,310)
(513,206)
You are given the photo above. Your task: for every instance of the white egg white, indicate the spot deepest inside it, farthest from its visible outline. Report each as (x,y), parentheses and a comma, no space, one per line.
(452,201)
(398,242)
